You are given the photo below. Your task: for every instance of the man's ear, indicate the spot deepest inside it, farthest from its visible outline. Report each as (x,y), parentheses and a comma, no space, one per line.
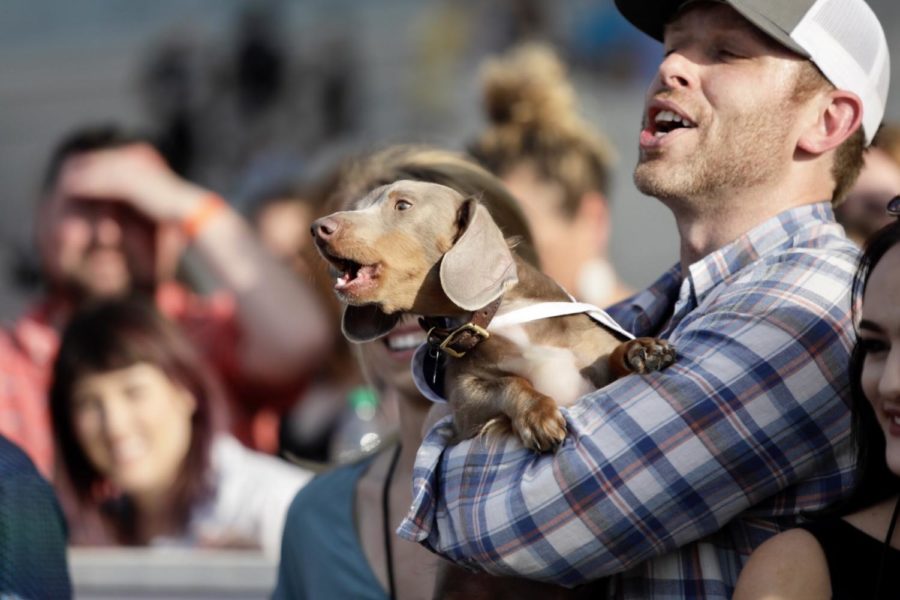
(839,115)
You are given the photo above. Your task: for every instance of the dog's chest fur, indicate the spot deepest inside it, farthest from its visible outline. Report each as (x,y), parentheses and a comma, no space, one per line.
(563,357)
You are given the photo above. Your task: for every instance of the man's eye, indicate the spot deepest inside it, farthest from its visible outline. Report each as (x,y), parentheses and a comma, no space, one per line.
(402,205)
(728,53)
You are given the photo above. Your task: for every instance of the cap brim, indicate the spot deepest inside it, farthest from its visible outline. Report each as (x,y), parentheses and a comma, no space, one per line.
(651,17)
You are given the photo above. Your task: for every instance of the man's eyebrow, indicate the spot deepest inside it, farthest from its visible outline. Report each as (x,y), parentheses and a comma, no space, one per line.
(728,30)
(870,326)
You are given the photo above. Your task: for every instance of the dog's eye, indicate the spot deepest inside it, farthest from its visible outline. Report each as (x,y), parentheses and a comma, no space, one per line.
(402,205)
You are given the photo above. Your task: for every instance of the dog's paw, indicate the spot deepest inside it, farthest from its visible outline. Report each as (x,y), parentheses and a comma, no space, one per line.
(499,426)
(645,355)
(541,427)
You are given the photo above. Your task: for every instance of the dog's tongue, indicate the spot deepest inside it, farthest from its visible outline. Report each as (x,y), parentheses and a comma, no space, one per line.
(362,274)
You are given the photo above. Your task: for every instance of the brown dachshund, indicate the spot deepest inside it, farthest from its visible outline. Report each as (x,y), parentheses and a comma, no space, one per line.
(423,248)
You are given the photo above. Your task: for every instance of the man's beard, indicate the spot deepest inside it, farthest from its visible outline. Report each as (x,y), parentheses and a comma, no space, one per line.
(89,283)
(741,156)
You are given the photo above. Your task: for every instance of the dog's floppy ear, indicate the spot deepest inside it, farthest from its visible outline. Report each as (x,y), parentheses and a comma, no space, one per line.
(479,267)
(367,323)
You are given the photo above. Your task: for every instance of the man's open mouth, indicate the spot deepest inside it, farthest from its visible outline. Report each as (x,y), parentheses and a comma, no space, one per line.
(663,122)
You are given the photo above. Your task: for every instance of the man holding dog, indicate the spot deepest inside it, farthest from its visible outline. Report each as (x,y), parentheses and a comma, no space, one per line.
(754,127)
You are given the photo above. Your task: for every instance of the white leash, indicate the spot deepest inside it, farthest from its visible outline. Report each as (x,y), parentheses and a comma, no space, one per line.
(545,310)
(518,316)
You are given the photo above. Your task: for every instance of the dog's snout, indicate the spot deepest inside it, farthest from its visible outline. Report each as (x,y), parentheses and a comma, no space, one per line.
(324,228)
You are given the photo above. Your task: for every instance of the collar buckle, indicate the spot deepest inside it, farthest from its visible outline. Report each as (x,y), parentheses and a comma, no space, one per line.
(459,341)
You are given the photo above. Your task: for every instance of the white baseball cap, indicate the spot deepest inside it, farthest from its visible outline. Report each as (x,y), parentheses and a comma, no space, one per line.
(843,38)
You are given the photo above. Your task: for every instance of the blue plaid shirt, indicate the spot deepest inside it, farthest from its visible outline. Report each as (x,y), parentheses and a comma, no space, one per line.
(667,481)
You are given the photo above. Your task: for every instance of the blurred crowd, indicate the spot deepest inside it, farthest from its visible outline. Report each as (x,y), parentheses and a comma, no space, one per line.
(183,373)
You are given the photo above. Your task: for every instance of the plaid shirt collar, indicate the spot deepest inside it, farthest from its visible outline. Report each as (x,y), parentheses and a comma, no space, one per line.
(770,237)
(646,313)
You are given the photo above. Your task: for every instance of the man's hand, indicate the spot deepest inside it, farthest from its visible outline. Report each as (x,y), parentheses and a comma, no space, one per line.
(136,175)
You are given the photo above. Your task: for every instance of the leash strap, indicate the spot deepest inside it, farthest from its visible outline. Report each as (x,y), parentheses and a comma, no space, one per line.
(546,310)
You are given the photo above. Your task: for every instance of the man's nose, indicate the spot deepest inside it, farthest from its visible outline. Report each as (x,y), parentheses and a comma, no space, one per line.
(107,229)
(676,71)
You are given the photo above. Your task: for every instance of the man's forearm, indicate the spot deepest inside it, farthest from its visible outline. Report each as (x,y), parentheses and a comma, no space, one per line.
(650,463)
(282,322)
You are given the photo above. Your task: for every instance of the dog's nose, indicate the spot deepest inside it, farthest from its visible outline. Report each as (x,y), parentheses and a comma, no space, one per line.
(324,228)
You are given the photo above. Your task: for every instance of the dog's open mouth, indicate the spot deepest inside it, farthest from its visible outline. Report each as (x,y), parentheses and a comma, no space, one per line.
(352,277)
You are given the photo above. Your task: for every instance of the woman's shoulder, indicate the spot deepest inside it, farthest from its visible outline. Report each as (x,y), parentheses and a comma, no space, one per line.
(791,564)
(328,491)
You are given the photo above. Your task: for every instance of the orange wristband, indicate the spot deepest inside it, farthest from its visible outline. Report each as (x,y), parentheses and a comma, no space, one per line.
(209,207)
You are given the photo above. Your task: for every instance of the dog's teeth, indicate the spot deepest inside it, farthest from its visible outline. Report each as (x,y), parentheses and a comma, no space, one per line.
(342,281)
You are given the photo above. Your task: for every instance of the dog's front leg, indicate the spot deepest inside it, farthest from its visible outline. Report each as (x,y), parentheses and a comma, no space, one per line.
(497,402)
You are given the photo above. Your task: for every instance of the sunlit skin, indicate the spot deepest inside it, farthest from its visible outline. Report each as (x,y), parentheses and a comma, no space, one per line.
(734,85)
(134,425)
(880,336)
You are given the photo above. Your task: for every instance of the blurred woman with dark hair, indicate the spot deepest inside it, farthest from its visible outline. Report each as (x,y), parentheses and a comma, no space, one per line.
(143,453)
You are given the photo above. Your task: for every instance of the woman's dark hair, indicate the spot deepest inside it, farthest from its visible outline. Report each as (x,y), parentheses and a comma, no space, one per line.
(875,481)
(117,334)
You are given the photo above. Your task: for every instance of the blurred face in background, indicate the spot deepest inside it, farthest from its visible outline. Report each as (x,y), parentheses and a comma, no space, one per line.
(880,337)
(565,243)
(95,249)
(134,425)
(863,212)
(283,228)
(386,361)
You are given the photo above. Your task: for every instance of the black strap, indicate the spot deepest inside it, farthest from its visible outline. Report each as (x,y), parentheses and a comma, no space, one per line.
(386,523)
(886,549)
